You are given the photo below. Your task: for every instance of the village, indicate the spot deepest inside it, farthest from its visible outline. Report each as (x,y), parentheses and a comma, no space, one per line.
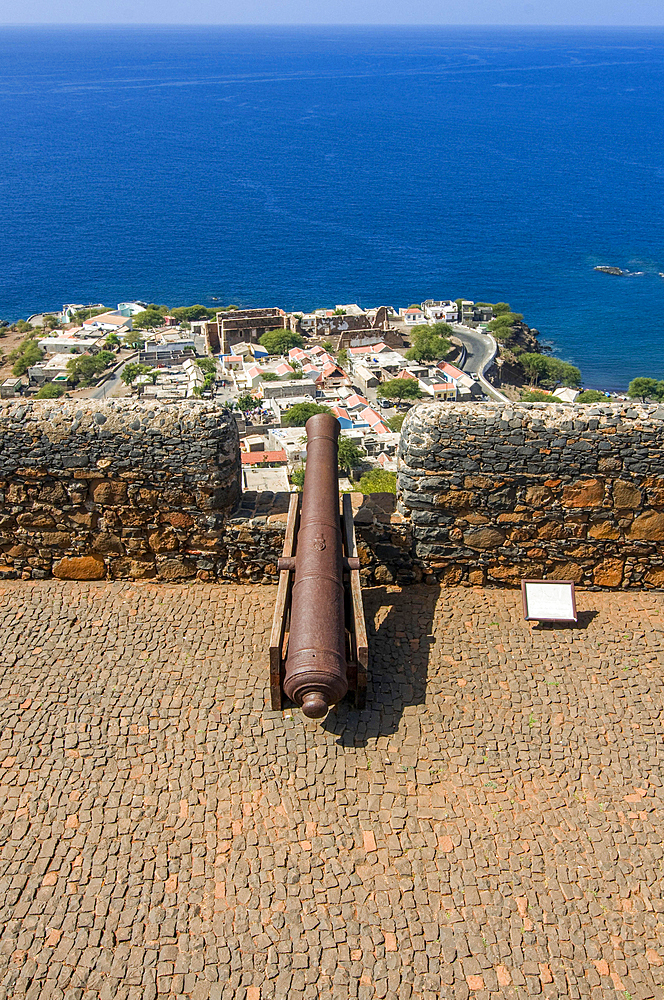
(274,369)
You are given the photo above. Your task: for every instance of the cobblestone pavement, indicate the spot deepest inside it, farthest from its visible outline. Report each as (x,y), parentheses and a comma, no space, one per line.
(490,825)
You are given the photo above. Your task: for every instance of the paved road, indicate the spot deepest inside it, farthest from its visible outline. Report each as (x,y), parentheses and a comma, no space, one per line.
(490,826)
(478,345)
(480,350)
(107,388)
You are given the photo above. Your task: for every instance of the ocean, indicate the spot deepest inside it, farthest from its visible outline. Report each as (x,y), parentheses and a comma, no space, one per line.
(306,167)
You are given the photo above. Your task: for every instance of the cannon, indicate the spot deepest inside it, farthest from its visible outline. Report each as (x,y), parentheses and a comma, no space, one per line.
(318,644)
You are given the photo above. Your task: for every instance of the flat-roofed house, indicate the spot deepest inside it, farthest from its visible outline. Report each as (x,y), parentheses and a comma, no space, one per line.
(110,322)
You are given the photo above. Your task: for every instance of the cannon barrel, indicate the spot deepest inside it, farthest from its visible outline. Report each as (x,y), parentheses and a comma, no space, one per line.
(315,675)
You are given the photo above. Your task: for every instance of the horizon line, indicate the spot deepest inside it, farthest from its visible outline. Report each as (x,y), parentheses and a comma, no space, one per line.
(317,24)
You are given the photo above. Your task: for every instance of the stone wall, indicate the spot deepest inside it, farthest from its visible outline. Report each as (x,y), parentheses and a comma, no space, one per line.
(497,493)
(487,495)
(119,489)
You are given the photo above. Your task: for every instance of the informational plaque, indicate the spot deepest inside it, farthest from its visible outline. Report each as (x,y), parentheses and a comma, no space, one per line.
(548,600)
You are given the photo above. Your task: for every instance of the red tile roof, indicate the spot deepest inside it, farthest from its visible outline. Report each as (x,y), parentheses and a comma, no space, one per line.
(256,457)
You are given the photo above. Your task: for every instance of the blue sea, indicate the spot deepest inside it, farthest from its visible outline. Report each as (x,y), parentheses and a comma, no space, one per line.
(305,167)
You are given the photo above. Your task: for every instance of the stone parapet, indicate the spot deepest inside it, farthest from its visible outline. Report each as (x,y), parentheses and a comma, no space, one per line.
(119,488)
(497,493)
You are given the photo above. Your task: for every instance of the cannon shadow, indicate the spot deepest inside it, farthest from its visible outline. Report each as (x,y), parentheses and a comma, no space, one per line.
(399,627)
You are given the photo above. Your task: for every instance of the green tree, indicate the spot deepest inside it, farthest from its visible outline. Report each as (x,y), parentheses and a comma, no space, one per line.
(562,373)
(269,377)
(643,389)
(534,365)
(400,388)
(342,358)
(350,456)
(298,415)
(52,321)
(536,396)
(150,317)
(112,339)
(135,340)
(50,391)
(378,481)
(327,345)
(83,314)
(134,370)
(297,478)
(500,308)
(296,376)
(430,343)
(246,401)
(280,341)
(208,365)
(84,368)
(185,314)
(591,396)
(25,355)
(503,325)
(339,312)
(395,423)
(551,372)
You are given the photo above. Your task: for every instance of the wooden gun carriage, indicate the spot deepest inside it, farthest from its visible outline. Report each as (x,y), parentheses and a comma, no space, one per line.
(318,644)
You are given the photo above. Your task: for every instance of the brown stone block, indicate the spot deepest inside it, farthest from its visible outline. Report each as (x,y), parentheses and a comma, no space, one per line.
(655,490)
(383,575)
(609,464)
(520,535)
(484,538)
(206,542)
(164,541)
(80,568)
(483,483)
(538,495)
(132,569)
(107,542)
(20,552)
(179,520)
(584,493)
(108,491)
(36,520)
(477,577)
(175,569)
(364,555)
(655,576)
(55,494)
(582,552)
(513,573)
(567,571)
(476,519)
(455,499)
(56,539)
(15,493)
(609,573)
(85,518)
(32,473)
(648,526)
(551,529)
(510,518)
(132,518)
(605,529)
(451,575)
(625,495)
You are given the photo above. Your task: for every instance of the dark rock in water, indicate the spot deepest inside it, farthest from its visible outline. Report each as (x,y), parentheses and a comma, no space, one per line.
(606,269)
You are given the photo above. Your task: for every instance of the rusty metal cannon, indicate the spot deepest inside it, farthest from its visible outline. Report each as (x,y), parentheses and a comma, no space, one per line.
(318,645)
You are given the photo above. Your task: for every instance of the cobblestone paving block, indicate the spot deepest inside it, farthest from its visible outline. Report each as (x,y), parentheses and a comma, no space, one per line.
(489,827)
